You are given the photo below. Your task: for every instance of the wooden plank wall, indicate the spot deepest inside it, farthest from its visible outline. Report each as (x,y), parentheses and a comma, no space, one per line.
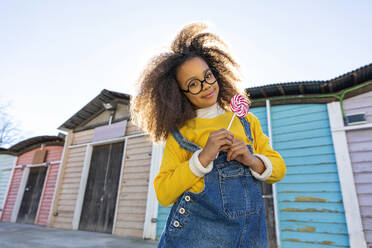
(6,165)
(132,129)
(82,137)
(5,175)
(311,212)
(132,203)
(360,149)
(134,186)
(70,181)
(23,159)
(54,154)
(12,195)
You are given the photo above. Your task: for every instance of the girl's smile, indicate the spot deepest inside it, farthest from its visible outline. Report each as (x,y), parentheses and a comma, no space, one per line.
(209,95)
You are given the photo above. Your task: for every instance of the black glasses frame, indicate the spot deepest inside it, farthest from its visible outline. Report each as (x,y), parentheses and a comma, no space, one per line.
(202,82)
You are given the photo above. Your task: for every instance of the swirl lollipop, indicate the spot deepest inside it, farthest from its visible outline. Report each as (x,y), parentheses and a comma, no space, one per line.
(239,106)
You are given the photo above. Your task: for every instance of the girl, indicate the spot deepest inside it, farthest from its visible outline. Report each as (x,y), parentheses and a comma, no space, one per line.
(211,175)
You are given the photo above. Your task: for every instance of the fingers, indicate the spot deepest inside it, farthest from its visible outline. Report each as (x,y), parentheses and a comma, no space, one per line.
(235,153)
(217,140)
(225,148)
(233,146)
(222,133)
(221,137)
(237,148)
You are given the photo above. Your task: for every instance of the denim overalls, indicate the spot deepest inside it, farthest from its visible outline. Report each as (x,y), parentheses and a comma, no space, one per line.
(228,213)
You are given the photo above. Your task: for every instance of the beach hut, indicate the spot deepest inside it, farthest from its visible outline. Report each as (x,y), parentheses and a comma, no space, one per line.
(104,183)
(33,178)
(358,130)
(323,131)
(7,162)
(315,127)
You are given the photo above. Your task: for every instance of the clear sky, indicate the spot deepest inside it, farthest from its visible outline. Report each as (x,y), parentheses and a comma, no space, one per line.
(56,56)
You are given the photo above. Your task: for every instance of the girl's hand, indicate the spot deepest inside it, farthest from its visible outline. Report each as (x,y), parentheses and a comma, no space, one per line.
(239,151)
(217,141)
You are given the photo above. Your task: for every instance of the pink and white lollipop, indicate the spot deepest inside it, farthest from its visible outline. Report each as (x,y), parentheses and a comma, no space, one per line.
(239,106)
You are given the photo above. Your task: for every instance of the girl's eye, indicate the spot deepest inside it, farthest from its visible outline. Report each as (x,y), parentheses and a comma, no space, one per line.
(193,84)
(208,75)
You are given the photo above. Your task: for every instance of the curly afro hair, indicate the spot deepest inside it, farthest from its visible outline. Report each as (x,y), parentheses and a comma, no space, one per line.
(160,104)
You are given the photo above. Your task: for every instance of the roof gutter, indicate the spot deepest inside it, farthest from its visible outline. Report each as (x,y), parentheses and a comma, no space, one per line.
(339,96)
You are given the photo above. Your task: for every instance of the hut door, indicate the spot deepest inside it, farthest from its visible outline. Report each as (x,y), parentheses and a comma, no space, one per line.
(267,194)
(31,196)
(102,186)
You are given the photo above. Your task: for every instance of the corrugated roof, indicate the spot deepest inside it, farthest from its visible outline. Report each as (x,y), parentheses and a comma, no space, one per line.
(334,85)
(27,144)
(316,87)
(3,150)
(93,108)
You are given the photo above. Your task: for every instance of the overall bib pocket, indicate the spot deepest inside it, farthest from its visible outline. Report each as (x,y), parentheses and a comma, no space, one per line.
(240,192)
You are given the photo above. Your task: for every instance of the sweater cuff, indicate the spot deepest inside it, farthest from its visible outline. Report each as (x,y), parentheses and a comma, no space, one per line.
(196,167)
(269,168)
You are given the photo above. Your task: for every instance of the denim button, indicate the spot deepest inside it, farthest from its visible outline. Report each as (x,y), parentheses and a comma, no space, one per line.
(182,211)
(176,224)
(187,198)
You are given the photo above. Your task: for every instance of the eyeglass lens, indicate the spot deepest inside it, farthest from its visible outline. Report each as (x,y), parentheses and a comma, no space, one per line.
(195,86)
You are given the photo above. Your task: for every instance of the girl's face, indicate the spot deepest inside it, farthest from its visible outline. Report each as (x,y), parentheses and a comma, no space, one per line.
(197,68)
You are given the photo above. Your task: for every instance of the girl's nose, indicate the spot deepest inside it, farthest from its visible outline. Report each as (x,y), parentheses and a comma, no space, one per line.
(206,86)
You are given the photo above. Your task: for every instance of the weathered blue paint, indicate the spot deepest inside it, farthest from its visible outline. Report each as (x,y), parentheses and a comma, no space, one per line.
(163,213)
(261,114)
(311,212)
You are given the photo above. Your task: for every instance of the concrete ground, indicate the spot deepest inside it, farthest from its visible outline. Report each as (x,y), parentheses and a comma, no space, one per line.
(14,235)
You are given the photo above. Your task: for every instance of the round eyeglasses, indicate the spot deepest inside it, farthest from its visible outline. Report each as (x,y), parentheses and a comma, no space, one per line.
(195,86)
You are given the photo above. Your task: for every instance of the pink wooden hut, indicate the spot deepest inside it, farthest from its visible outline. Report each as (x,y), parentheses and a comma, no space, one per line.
(32,184)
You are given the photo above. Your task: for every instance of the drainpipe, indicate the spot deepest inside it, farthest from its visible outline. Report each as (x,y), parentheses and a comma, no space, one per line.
(277,231)
(111,116)
(111,107)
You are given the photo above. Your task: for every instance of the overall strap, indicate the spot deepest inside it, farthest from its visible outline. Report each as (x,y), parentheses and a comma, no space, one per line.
(247,127)
(183,142)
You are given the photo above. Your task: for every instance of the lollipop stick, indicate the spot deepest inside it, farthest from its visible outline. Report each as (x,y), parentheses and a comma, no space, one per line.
(228,128)
(232,119)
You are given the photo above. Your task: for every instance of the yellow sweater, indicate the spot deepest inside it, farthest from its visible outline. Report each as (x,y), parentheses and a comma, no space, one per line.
(175,175)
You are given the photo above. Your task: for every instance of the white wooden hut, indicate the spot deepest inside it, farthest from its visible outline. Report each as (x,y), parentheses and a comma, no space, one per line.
(7,162)
(104,184)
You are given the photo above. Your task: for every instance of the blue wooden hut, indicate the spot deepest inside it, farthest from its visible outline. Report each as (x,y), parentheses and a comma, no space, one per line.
(316,204)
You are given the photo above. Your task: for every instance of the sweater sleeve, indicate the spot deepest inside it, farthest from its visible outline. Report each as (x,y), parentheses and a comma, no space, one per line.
(175,175)
(263,147)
